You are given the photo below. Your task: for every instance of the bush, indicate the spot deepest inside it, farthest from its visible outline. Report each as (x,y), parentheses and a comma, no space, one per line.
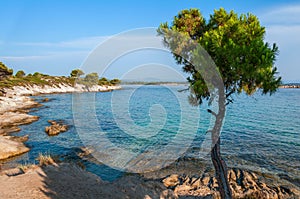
(91,78)
(76,73)
(20,74)
(115,81)
(4,71)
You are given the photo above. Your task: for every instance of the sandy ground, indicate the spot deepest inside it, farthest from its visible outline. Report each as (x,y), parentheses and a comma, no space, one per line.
(67,181)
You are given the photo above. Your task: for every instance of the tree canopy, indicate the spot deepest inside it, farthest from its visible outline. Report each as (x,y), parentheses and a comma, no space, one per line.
(5,71)
(20,74)
(92,78)
(236,45)
(76,73)
(115,81)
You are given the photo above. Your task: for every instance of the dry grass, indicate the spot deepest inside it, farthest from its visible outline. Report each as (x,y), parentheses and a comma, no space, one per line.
(26,166)
(45,159)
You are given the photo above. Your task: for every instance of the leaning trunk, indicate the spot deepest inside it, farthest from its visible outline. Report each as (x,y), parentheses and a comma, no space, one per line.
(221,171)
(218,162)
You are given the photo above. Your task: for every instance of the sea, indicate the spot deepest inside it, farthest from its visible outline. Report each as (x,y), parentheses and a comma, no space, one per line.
(149,127)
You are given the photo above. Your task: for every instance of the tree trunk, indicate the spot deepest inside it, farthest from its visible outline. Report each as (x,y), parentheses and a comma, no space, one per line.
(218,162)
(221,171)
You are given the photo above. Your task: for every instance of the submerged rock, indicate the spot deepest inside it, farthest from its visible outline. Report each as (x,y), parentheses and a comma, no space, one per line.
(45,100)
(55,128)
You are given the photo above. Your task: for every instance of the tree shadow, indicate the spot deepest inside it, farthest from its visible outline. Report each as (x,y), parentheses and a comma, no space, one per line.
(69,181)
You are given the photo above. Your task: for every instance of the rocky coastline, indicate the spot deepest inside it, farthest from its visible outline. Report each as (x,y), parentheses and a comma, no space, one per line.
(64,180)
(15,105)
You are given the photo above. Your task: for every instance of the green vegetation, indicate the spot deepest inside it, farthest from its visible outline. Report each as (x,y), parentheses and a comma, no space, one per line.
(115,81)
(91,79)
(5,71)
(76,73)
(20,74)
(103,81)
(20,79)
(245,62)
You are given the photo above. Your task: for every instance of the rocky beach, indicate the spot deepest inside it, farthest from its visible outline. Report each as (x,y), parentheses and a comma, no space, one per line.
(68,180)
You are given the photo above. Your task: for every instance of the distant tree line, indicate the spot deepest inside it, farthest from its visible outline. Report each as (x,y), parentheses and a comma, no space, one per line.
(7,79)
(92,78)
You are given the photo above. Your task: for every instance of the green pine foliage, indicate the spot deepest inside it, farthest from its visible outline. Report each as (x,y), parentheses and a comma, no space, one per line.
(236,45)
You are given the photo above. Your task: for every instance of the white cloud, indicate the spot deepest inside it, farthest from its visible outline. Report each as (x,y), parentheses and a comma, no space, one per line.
(88,42)
(52,55)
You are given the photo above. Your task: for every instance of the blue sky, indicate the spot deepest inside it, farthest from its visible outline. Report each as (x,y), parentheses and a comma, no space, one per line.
(56,36)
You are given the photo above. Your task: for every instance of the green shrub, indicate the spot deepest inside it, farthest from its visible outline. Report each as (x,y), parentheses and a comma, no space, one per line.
(20,74)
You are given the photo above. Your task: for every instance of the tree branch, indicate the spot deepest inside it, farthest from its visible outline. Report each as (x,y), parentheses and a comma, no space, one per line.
(185,89)
(212,112)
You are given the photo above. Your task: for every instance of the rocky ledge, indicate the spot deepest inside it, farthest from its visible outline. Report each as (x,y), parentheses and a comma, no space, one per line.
(10,147)
(13,112)
(244,184)
(9,121)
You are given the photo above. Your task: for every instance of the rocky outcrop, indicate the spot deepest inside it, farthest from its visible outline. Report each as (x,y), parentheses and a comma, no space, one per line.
(56,128)
(10,148)
(17,104)
(244,184)
(13,112)
(9,121)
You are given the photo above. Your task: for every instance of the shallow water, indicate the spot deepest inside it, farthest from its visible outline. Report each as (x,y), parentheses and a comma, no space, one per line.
(260,133)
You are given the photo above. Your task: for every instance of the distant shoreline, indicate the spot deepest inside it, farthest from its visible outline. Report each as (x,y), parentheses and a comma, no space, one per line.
(153,83)
(290,85)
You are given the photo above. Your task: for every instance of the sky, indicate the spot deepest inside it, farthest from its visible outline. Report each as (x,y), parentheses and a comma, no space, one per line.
(54,37)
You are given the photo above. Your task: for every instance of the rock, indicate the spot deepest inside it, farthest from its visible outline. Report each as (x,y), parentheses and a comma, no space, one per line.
(10,148)
(183,189)
(18,139)
(205,180)
(14,172)
(214,183)
(55,128)
(85,151)
(13,103)
(45,100)
(196,182)
(10,120)
(186,180)
(244,184)
(203,191)
(8,130)
(171,181)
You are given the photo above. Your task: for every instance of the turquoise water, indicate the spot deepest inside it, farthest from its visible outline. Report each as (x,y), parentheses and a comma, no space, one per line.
(260,133)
